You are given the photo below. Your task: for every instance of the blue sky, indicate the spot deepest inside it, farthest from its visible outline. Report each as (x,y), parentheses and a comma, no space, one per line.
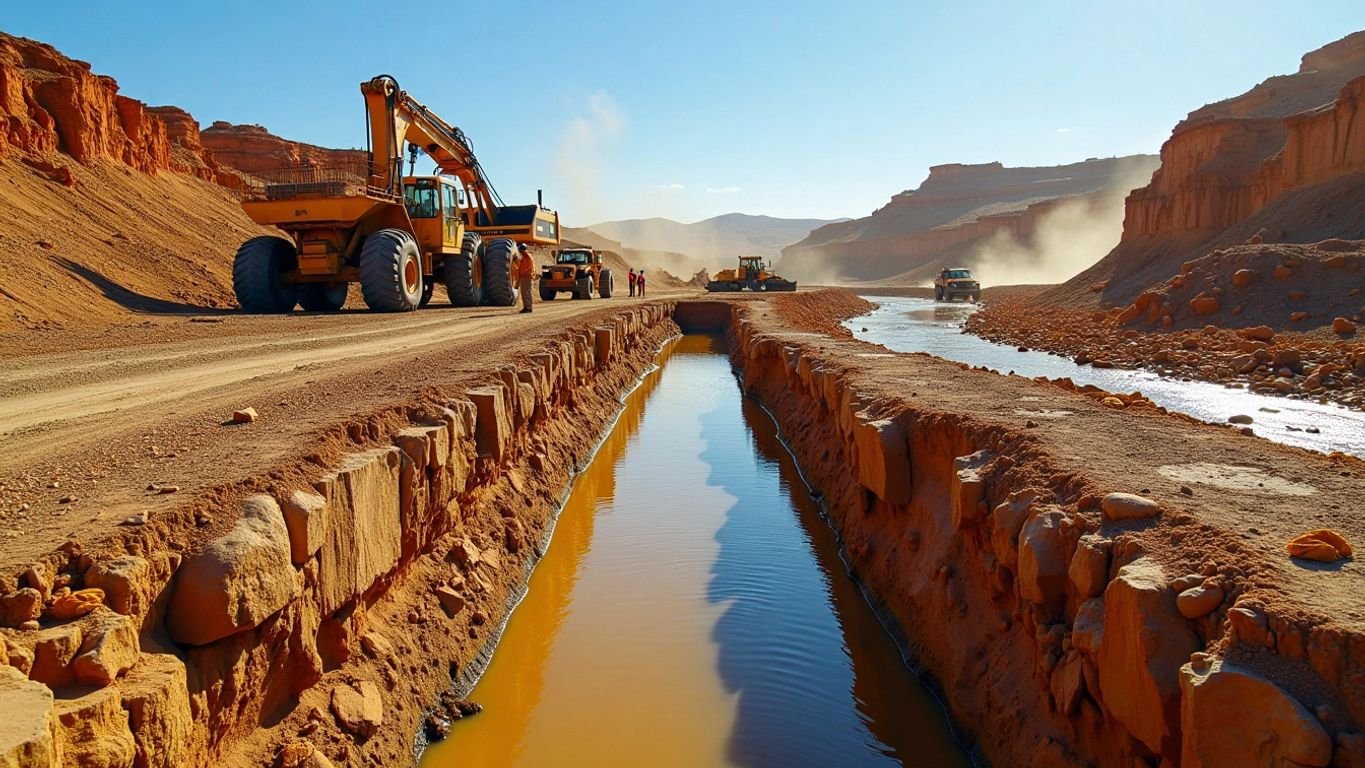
(692,109)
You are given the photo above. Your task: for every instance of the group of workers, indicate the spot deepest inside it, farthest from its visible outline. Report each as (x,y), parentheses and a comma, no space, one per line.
(526,274)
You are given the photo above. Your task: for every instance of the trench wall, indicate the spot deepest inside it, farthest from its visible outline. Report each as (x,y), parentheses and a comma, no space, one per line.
(1053,638)
(321,625)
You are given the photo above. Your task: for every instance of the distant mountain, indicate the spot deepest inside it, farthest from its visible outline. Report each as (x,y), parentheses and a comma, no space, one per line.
(1040,224)
(716,240)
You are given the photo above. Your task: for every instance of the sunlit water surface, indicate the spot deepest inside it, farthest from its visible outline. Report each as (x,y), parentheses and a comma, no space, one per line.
(923,325)
(692,611)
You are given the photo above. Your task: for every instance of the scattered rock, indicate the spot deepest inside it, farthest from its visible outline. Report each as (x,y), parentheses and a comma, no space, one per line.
(20,606)
(168,489)
(76,604)
(359,709)
(244,416)
(1198,602)
(375,645)
(1343,326)
(110,648)
(1323,545)
(1240,418)
(1127,506)
(452,602)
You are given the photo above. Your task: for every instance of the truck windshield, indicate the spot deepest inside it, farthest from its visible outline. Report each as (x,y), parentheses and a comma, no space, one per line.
(422,202)
(954,274)
(573,257)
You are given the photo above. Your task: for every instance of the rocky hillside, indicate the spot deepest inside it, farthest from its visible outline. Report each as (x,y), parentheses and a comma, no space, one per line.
(965,214)
(714,242)
(252,149)
(109,208)
(1282,163)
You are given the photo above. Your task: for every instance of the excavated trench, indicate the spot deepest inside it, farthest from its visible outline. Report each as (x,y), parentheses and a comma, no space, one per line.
(689,600)
(692,609)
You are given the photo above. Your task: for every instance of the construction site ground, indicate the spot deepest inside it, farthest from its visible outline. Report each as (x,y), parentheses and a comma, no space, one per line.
(98,425)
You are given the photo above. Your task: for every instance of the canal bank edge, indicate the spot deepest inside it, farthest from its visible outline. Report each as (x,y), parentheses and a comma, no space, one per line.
(1062,631)
(319,628)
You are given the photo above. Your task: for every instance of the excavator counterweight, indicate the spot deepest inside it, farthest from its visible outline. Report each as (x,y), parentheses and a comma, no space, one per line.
(365,222)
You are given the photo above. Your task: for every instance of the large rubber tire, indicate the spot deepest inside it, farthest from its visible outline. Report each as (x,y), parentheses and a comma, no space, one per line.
(391,271)
(548,294)
(498,288)
(938,294)
(428,288)
(605,284)
(322,297)
(257,275)
(464,273)
(582,288)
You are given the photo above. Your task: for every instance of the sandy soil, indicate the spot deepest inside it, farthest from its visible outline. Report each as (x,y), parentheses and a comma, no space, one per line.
(145,405)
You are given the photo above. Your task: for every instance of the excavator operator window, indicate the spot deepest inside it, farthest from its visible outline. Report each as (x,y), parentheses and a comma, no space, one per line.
(422,202)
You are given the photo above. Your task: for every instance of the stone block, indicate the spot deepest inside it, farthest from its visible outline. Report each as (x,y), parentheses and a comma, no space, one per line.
(364,537)
(237,581)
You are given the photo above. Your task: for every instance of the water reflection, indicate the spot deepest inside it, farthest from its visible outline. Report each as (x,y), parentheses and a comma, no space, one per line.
(688,614)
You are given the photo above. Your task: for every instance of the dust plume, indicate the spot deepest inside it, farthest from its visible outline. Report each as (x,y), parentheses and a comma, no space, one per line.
(579,161)
(1066,240)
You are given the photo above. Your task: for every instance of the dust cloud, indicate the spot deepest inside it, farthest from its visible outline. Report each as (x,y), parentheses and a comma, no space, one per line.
(579,160)
(1067,240)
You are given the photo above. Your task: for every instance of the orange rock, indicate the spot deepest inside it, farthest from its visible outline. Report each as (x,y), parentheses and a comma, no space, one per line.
(1295,317)
(1244,277)
(76,604)
(1342,325)
(1259,333)
(1204,305)
(1283,273)
(1323,545)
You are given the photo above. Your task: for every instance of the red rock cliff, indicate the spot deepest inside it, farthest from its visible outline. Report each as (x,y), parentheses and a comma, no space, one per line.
(252,149)
(1283,162)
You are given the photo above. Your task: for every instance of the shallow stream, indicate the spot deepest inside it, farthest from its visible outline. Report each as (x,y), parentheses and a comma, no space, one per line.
(692,610)
(922,325)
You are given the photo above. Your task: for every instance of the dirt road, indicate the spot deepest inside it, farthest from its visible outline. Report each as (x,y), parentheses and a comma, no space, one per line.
(135,407)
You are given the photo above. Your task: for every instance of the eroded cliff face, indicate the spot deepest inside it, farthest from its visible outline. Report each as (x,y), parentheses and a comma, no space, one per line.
(51,104)
(1254,167)
(252,149)
(956,210)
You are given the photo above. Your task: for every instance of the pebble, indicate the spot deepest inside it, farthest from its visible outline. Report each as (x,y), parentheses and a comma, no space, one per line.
(1240,418)
(68,499)
(138,519)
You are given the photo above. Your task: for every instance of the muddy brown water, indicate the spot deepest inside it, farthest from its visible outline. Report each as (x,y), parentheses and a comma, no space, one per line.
(692,610)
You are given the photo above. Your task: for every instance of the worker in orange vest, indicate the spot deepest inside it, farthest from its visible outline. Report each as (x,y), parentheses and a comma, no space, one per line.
(526,272)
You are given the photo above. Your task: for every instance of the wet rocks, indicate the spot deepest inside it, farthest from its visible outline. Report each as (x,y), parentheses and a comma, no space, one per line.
(1233,716)
(237,581)
(1128,506)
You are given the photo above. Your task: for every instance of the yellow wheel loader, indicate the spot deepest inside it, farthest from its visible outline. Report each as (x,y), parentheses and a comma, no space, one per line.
(395,235)
(752,275)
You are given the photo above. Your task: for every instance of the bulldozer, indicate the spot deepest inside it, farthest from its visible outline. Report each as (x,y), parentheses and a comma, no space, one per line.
(753,274)
(397,236)
(578,271)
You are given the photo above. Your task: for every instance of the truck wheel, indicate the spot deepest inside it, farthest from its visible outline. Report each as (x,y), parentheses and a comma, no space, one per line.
(464,273)
(391,271)
(605,284)
(976,298)
(428,288)
(257,275)
(498,288)
(583,288)
(547,294)
(322,297)
(938,294)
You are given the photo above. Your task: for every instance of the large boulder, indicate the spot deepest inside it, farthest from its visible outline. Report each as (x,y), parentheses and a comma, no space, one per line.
(28,731)
(1232,716)
(1045,546)
(108,649)
(883,459)
(1144,644)
(237,581)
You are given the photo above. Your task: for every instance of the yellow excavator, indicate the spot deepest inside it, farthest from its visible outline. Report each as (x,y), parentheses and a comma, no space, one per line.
(753,274)
(365,222)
